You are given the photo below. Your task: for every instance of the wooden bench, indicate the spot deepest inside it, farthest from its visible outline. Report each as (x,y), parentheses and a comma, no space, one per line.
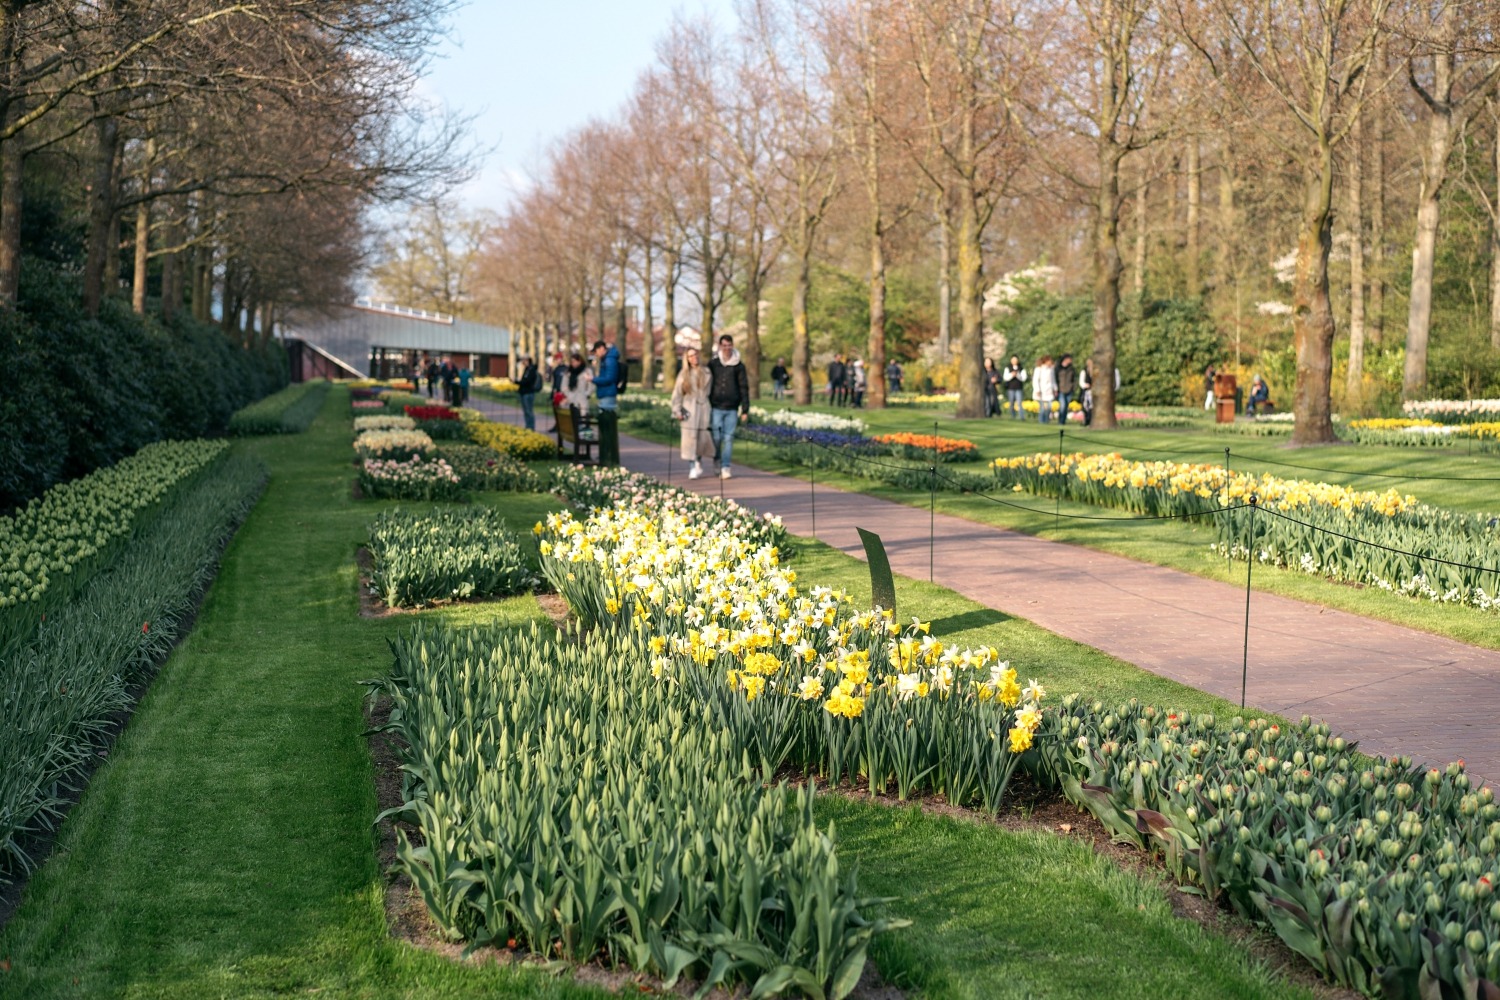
(576,434)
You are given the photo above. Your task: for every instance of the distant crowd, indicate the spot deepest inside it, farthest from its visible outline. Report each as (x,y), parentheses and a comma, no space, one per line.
(451,376)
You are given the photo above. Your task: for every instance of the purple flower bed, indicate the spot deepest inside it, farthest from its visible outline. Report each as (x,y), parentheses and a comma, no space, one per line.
(775,434)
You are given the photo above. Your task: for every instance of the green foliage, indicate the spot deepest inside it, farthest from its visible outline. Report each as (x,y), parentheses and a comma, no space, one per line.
(570,802)
(57,543)
(89,391)
(62,686)
(838,315)
(1381,876)
(1158,342)
(481,468)
(445,555)
(289,411)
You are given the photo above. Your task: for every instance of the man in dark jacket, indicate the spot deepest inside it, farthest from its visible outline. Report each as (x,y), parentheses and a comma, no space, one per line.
(728,399)
(836,375)
(528,386)
(1067,385)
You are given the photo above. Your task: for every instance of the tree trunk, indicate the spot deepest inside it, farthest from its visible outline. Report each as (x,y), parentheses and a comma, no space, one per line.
(142,257)
(945,282)
(1375,308)
(101,213)
(669,324)
(970,304)
(1194,212)
(648,329)
(12,199)
(875,349)
(1424,244)
(267,322)
(801,346)
(1107,269)
(706,335)
(751,353)
(1224,265)
(1354,379)
(1312,310)
(622,327)
(1142,216)
(1495,253)
(203,285)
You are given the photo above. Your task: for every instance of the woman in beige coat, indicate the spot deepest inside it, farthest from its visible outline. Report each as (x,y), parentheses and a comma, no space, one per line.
(690,405)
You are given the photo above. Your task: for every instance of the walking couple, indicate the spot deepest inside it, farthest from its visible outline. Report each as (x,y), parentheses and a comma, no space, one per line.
(710,401)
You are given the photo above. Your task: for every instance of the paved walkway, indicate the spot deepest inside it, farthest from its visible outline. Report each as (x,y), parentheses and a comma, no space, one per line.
(1395,689)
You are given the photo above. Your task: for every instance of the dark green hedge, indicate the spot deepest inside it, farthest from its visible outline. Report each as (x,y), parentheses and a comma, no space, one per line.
(80,392)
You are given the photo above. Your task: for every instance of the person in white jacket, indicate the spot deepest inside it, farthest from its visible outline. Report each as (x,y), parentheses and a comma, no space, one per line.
(1014,378)
(1044,387)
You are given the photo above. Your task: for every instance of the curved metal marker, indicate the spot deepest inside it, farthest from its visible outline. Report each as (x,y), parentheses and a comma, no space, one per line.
(882,583)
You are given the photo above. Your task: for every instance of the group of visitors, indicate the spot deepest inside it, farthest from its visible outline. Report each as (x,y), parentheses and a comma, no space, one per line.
(453,377)
(574,381)
(1061,383)
(847,381)
(710,400)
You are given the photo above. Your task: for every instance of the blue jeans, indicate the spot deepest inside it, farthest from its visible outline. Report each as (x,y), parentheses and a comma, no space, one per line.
(1013,397)
(1063,399)
(609,402)
(528,409)
(721,424)
(1044,410)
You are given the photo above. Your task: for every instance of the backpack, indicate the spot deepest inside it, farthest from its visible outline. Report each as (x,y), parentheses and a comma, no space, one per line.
(622,378)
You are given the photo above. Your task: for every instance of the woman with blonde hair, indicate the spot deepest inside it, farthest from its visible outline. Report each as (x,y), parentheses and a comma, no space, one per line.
(690,405)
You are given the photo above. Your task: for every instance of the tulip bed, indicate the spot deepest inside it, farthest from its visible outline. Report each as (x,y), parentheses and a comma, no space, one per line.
(58,542)
(928,446)
(415,478)
(1381,875)
(480,468)
(1453,411)
(393,445)
(383,422)
(1332,531)
(66,680)
(419,559)
(289,411)
(604,488)
(438,421)
(1419,433)
(519,443)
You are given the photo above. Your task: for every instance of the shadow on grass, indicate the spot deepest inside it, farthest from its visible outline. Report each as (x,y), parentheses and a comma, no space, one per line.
(978,618)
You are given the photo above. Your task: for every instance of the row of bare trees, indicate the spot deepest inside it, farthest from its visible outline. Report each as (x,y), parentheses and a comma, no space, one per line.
(229,149)
(1001,132)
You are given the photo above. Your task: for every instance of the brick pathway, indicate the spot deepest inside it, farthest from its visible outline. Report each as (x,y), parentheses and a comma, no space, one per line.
(1395,689)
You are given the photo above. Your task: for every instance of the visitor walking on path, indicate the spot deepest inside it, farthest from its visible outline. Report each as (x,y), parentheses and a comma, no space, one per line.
(607,382)
(433,371)
(1044,388)
(893,375)
(690,406)
(836,375)
(992,382)
(728,399)
(465,376)
(1086,391)
(529,385)
(1209,375)
(1015,382)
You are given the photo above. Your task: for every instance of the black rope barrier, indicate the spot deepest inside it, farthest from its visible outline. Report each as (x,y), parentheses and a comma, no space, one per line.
(1379,545)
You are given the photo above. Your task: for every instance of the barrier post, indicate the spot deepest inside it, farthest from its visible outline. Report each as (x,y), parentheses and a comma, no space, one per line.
(1249,566)
(812,493)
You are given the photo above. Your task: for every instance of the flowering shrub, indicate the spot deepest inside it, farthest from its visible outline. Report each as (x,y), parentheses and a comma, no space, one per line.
(414,478)
(918,446)
(801,680)
(1382,875)
(604,488)
(383,422)
(517,442)
(445,555)
(1453,411)
(393,444)
(481,468)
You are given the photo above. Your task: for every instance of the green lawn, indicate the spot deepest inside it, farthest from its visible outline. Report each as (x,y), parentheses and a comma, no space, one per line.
(226,848)
(1178,544)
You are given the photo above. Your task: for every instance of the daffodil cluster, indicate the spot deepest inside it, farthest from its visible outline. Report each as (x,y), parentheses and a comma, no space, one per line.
(722,614)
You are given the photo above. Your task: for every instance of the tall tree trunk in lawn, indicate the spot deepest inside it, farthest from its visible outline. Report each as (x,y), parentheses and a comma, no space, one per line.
(1107,268)
(648,329)
(669,323)
(1194,213)
(1312,310)
(801,344)
(1354,380)
(875,348)
(1435,150)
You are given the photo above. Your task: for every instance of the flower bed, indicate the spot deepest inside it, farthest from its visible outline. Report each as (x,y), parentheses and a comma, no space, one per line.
(367,405)
(481,468)
(290,411)
(382,422)
(1453,411)
(1382,875)
(604,488)
(1402,432)
(56,543)
(777,434)
(393,444)
(445,555)
(414,478)
(808,420)
(528,446)
(919,446)
(1311,538)
(434,412)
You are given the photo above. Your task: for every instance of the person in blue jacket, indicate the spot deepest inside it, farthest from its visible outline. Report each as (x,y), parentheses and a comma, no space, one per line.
(607,382)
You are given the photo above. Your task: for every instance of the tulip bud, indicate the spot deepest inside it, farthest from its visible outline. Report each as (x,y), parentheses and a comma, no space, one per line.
(1474,941)
(1403,792)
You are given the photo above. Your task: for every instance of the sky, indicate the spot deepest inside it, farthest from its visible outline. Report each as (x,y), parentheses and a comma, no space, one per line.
(529,71)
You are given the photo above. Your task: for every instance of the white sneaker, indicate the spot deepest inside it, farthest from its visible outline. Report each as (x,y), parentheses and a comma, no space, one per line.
(724,473)
(696,472)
